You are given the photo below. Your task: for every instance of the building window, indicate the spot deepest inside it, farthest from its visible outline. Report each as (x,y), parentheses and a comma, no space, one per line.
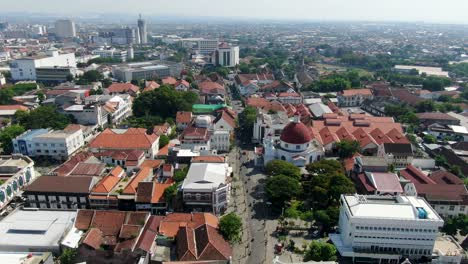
(298,146)
(286,145)
(452,208)
(462,208)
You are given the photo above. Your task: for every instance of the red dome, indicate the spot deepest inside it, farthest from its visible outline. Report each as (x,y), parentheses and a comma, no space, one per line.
(296,133)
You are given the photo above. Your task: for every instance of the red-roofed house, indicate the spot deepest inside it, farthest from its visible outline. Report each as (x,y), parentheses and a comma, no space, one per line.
(123,88)
(169,80)
(447,195)
(130,139)
(127,159)
(182,85)
(150,196)
(378,183)
(110,236)
(151,85)
(183,119)
(354,97)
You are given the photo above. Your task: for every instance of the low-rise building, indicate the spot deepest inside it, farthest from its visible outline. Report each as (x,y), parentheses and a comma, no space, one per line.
(444,191)
(183,119)
(143,71)
(16,172)
(126,139)
(207,187)
(398,154)
(430,118)
(354,97)
(58,144)
(386,228)
(54,192)
(123,88)
(448,132)
(34,230)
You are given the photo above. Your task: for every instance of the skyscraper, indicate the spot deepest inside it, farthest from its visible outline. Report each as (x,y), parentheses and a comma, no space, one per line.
(142,31)
(65,28)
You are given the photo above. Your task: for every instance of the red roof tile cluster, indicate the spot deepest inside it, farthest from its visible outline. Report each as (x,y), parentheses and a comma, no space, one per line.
(70,164)
(106,184)
(143,174)
(133,138)
(118,230)
(296,133)
(246,78)
(131,157)
(161,129)
(88,169)
(363,128)
(183,83)
(202,243)
(435,116)
(173,222)
(227,117)
(209,87)
(195,133)
(123,88)
(441,186)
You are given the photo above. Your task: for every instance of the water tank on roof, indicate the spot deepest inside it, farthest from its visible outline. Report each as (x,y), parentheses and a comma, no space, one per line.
(422,213)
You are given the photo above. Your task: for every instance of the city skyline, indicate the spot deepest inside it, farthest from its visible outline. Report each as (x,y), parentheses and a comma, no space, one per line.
(335,10)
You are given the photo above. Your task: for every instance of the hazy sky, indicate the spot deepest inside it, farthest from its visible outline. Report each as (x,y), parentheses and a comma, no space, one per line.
(379,10)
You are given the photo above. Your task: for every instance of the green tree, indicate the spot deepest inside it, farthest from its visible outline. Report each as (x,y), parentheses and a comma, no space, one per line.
(7,134)
(230,226)
(163,102)
(170,193)
(347,148)
(244,68)
(429,139)
(6,96)
(43,117)
(68,256)
(180,174)
(92,76)
(276,167)
(246,121)
(223,71)
(320,251)
(163,141)
(282,188)
(425,106)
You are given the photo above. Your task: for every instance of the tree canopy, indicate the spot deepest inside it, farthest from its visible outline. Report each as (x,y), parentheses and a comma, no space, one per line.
(43,117)
(230,227)
(347,148)
(276,167)
(246,121)
(282,188)
(7,134)
(163,102)
(320,251)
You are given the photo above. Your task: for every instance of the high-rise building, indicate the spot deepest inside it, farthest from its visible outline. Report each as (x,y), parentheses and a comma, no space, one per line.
(227,56)
(65,28)
(142,31)
(207,46)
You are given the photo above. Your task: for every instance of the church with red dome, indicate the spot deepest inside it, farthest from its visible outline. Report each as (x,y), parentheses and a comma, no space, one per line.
(296,145)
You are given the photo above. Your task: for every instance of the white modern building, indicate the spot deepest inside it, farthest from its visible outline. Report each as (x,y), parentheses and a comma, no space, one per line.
(269,124)
(112,53)
(142,71)
(227,56)
(207,186)
(25,68)
(386,228)
(17,171)
(65,28)
(59,144)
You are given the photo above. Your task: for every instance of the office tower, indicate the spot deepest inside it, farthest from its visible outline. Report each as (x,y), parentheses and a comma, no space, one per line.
(65,28)
(142,31)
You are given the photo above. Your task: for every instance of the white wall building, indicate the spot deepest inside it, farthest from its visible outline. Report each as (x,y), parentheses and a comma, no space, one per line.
(18,171)
(207,187)
(58,144)
(112,53)
(386,228)
(25,68)
(65,28)
(227,56)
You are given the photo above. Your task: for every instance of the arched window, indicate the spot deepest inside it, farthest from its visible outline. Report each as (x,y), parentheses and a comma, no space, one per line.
(283,158)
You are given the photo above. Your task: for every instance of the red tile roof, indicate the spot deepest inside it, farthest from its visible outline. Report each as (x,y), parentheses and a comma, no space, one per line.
(69,165)
(144,192)
(152,163)
(158,191)
(144,173)
(183,117)
(88,169)
(133,138)
(14,107)
(93,238)
(54,184)
(352,92)
(224,115)
(209,87)
(150,231)
(435,116)
(169,80)
(445,177)
(122,88)
(296,133)
(182,82)
(106,184)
